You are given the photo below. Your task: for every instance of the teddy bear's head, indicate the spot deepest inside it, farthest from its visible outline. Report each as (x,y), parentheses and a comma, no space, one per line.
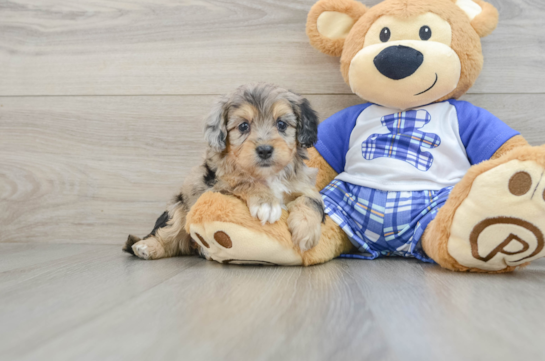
(404,53)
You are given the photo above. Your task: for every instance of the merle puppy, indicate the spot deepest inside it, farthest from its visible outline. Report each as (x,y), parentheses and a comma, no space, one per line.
(257,138)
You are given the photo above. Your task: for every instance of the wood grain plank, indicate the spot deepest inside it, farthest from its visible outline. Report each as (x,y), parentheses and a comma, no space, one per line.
(93,169)
(48,290)
(90,302)
(431,313)
(101,47)
(215,312)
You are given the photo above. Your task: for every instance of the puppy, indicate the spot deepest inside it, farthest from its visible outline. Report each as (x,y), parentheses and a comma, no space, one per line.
(257,138)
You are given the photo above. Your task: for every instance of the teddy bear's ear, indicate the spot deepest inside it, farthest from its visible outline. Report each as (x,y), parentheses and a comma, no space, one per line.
(483,16)
(330,21)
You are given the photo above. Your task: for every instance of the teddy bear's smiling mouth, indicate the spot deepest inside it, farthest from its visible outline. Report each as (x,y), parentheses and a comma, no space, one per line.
(435,82)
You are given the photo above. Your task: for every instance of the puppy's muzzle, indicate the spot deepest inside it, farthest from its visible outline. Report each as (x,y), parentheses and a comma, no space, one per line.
(264,151)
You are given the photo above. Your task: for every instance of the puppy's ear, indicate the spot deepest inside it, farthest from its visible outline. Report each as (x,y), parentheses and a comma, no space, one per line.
(215,132)
(307,124)
(483,16)
(330,21)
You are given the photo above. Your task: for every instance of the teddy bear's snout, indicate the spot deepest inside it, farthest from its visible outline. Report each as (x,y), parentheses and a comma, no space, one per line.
(398,62)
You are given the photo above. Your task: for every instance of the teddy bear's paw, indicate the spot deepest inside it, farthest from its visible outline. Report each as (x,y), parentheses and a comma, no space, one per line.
(501,223)
(231,243)
(305,229)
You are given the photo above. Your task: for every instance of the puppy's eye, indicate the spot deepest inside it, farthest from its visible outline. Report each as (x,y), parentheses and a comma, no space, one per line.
(385,35)
(244,127)
(425,33)
(282,126)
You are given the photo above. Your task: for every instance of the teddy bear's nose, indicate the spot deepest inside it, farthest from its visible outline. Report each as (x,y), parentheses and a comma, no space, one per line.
(398,62)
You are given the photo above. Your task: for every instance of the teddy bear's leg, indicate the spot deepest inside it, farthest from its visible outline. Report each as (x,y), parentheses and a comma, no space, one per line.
(227,233)
(494,219)
(333,243)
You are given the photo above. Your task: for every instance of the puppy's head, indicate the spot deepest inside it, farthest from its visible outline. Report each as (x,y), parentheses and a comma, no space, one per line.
(261,128)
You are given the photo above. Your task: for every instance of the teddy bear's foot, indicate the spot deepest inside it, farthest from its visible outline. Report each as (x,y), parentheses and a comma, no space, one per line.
(227,233)
(231,243)
(500,225)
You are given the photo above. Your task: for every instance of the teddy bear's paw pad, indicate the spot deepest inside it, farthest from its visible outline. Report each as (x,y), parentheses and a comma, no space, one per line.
(230,243)
(502,221)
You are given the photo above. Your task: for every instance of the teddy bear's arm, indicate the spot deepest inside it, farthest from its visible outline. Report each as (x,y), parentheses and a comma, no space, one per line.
(325,173)
(515,142)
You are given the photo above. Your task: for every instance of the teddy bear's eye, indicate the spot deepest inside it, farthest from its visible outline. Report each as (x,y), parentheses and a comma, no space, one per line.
(425,33)
(385,35)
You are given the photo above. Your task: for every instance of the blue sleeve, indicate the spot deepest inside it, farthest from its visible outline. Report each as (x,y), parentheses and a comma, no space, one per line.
(334,135)
(481,132)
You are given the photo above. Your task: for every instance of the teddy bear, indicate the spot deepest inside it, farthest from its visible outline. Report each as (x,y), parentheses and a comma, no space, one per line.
(412,171)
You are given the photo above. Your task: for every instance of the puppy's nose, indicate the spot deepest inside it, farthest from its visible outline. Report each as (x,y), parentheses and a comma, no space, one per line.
(264,151)
(398,62)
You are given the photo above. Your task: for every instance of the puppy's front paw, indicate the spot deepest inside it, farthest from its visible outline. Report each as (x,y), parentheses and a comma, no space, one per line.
(305,229)
(266,212)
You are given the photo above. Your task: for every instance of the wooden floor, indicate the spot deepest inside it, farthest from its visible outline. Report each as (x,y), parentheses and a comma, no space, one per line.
(92,302)
(101,104)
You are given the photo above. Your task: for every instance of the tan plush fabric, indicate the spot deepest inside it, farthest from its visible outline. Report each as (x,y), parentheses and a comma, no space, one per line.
(436,239)
(470,7)
(442,73)
(334,25)
(325,173)
(499,225)
(215,207)
(515,142)
(252,242)
(465,40)
(466,33)
(333,243)
(485,23)
(229,242)
(321,42)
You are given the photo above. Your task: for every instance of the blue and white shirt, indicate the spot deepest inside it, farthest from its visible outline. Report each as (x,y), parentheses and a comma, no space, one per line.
(426,148)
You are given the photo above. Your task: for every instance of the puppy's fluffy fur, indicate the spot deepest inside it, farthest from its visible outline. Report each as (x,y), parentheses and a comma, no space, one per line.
(256,137)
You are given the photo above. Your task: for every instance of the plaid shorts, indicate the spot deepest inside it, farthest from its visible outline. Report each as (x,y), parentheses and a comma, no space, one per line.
(381,223)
